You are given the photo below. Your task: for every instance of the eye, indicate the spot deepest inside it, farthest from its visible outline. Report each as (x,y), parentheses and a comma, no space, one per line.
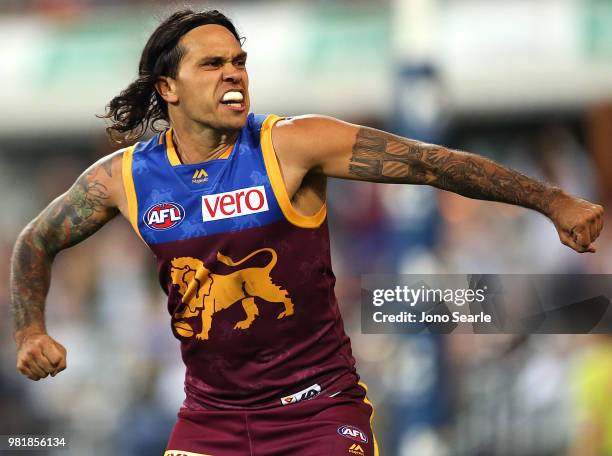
(240,63)
(211,64)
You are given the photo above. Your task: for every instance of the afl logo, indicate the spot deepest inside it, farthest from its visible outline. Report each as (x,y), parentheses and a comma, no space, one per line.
(162,216)
(353,433)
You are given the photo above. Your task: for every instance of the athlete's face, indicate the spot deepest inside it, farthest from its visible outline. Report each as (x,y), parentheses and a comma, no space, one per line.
(213,64)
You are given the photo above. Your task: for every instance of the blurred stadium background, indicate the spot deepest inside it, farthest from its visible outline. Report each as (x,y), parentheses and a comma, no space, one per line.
(528,83)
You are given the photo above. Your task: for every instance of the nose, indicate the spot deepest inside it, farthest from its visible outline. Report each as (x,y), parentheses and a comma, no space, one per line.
(231,73)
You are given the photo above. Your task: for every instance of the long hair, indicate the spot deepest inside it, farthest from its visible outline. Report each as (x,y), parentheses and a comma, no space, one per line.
(139,107)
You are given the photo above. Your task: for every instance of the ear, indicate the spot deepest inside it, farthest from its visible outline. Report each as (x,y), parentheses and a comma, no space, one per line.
(166,87)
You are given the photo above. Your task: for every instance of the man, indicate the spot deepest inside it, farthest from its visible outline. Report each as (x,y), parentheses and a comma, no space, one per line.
(233,206)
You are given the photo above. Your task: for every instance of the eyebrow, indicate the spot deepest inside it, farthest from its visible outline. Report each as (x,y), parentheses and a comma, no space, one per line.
(217,58)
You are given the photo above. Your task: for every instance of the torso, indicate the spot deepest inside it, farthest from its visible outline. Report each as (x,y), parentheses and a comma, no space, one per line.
(274,352)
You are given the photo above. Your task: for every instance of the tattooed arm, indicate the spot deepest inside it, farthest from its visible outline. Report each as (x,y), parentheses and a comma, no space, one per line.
(72,217)
(310,144)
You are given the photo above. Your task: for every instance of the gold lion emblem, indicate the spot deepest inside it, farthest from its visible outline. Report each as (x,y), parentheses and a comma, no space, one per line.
(207,293)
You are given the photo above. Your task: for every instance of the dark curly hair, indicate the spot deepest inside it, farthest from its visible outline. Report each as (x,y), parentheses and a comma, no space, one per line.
(140,106)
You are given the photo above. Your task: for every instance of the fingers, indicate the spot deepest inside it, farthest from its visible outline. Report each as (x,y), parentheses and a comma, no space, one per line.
(600,223)
(599,220)
(40,356)
(582,239)
(31,365)
(595,222)
(571,242)
(593,230)
(56,355)
(586,230)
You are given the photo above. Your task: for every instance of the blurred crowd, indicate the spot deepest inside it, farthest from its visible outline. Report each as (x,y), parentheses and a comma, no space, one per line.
(63,9)
(463,394)
(433,395)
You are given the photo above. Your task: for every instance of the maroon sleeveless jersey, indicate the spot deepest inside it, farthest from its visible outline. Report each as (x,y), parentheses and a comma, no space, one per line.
(249,280)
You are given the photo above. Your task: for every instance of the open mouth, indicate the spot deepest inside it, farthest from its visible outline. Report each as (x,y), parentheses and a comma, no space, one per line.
(233,100)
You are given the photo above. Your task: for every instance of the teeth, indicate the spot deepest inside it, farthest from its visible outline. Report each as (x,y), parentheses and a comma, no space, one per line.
(232,96)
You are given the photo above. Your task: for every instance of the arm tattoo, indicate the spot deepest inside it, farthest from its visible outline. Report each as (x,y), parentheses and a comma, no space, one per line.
(108,167)
(383,157)
(68,220)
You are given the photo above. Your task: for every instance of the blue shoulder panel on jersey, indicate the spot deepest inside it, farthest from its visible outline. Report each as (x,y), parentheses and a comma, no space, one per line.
(194,200)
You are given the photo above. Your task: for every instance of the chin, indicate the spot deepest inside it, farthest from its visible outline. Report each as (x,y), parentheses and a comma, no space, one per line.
(236,123)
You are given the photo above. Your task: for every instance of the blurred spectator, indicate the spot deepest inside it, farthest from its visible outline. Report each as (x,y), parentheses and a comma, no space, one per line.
(457,395)
(591,377)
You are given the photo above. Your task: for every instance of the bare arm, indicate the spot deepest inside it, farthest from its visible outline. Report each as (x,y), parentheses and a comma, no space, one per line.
(69,219)
(339,149)
(382,157)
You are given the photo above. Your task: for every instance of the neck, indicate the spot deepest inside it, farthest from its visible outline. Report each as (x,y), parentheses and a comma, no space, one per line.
(196,143)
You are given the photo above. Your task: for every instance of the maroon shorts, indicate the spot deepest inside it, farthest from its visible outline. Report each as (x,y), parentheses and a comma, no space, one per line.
(322,426)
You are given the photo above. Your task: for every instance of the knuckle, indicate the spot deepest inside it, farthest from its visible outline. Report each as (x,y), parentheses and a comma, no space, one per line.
(31,353)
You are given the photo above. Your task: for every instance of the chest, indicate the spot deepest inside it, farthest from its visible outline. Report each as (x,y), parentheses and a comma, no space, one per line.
(185,201)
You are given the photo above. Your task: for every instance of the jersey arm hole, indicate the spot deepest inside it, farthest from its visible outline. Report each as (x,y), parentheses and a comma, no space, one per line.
(130,189)
(278,184)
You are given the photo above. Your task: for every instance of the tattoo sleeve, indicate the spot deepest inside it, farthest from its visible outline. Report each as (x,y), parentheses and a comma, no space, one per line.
(68,220)
(383,157)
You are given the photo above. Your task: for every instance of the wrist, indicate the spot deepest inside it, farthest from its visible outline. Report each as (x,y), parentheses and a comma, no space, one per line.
(32,329)
(555,200)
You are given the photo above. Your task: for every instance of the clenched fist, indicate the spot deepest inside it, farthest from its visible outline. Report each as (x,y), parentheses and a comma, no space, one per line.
(39,355)
(578,222)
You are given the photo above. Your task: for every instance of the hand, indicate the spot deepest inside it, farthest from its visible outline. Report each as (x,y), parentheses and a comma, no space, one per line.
(39,355)
(578,222)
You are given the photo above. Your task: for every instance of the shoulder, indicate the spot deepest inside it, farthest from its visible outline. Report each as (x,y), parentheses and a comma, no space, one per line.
(311,138)
(112,162)
(307,126)
(107,174)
